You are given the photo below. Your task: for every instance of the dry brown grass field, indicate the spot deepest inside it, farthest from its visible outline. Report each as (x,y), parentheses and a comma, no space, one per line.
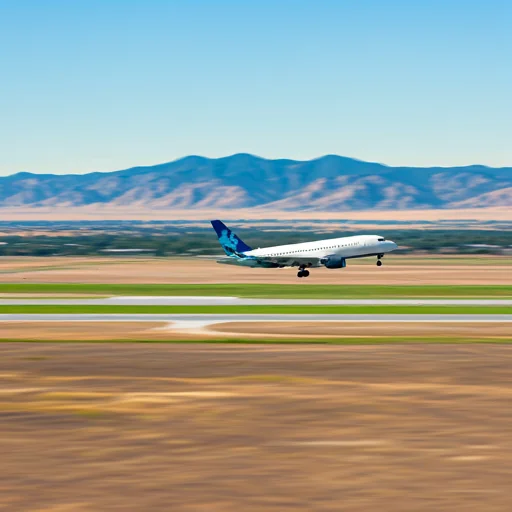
(97,212)
(273,331)
(89,427)
(398,270)
(86,331)
(318,330)
(196,427)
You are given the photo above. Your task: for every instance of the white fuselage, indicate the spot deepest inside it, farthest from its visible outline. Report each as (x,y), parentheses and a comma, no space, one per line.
(346,247)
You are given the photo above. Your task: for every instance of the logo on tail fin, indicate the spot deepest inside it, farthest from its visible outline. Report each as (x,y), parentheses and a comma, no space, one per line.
(232,245)
(229,241)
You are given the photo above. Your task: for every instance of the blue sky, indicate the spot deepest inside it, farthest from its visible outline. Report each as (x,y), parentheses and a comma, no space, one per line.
(98,85)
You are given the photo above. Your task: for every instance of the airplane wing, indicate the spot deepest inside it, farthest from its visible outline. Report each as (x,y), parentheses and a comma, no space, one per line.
(294,261)
(271,261)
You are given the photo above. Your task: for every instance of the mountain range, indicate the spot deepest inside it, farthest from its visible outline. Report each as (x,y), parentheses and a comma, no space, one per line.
(245,181)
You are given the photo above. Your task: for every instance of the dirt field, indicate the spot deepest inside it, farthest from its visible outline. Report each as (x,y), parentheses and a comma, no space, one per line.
(142,331)
(350,329)
(16,264)
(97,212)
(396,270)
(90,427)
(85,331)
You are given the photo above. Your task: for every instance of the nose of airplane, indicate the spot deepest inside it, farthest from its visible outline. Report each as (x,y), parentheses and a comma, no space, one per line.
(393,245)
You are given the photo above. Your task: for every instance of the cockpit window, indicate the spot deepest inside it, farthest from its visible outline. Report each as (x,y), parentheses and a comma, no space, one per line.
(382,239)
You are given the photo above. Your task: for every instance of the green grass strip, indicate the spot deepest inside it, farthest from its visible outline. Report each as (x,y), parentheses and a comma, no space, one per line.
(237,310)
(297,290)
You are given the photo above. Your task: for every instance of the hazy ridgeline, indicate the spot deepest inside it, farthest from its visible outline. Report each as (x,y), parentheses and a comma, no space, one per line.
(328,183)
(117,238)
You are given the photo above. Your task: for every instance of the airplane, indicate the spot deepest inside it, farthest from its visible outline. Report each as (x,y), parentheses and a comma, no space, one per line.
(331,253)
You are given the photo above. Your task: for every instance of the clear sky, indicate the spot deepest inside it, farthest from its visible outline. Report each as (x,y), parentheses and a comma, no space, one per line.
(99,85)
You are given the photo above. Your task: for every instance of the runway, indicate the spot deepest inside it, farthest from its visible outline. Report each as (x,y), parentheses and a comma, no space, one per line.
(237,301)
(194,321)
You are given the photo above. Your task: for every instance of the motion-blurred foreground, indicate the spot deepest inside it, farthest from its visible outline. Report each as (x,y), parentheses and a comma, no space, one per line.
(90,427)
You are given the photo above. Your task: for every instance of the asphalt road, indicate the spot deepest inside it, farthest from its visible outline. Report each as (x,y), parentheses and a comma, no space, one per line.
(199,320)
(236,301)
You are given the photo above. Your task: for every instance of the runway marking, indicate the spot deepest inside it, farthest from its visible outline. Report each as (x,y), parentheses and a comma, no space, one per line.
(207,319)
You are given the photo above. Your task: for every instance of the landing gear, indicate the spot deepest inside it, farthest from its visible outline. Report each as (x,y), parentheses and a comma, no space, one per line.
(303,272)
(379,263)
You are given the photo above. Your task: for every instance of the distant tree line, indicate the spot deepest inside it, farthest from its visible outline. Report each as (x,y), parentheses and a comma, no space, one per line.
(178,241)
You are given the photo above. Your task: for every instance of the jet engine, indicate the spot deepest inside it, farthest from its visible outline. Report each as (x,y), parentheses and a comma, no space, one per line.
(334,261)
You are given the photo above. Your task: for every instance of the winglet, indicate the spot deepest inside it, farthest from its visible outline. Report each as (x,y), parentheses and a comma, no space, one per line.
(231,244)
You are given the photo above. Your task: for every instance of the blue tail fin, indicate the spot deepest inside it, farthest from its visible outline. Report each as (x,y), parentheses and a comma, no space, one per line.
(232,245)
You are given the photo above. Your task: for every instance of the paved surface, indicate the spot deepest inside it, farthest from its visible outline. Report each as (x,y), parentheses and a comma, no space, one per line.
(198,320)
(214,301)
